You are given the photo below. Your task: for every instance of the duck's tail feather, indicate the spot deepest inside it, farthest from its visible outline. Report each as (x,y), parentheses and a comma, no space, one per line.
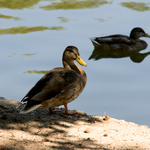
(95,43)
(25,110)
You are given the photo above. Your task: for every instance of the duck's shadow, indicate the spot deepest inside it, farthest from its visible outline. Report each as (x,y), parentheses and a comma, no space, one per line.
(104,51)
(44,125)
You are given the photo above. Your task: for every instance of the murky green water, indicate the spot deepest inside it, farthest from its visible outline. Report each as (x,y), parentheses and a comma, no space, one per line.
(34,34)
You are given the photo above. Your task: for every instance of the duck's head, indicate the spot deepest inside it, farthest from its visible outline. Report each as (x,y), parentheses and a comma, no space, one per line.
(136,33)
(70,54)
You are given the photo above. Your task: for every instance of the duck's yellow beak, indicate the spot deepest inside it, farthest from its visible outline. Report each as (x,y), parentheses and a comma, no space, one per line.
(80,61)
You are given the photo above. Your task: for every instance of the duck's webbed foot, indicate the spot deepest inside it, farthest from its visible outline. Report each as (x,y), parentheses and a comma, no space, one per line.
(58,111)
(55,111)
(69,112)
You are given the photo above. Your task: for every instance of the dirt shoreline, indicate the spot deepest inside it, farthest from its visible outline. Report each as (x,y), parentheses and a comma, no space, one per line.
(39,130)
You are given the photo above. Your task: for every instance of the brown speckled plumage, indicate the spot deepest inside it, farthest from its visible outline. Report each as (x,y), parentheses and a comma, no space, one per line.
(60,85)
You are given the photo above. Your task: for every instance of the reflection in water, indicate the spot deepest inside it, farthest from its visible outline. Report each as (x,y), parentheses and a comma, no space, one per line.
(138,57)
(24,29)
(9,17)
(38,72)
(138,6)
(15,55)
(101,20)
(74,4)
(102,52)
(17,4)
(63,19)
(56,28)
(118,46)
(29,54)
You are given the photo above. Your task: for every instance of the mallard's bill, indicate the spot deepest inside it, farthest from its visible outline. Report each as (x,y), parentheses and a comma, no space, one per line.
(146,35)
(80,61)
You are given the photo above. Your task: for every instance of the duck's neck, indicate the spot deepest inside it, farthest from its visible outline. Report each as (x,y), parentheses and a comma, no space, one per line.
(134,36)
(72,66)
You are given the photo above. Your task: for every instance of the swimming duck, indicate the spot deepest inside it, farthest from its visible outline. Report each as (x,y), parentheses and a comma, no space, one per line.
(123,42)
(59,86)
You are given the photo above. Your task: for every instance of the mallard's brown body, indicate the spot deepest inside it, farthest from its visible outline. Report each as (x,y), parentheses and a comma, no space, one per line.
(59,86)
(122,42)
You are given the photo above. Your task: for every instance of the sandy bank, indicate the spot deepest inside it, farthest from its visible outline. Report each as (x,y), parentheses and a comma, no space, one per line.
(39,130)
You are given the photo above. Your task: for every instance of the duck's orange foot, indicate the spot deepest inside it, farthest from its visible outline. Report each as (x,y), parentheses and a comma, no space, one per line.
(55,111)
(70,112)
(58,111)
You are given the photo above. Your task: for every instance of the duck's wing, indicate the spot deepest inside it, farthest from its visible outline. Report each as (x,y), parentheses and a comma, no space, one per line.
(51,84)
(114,39)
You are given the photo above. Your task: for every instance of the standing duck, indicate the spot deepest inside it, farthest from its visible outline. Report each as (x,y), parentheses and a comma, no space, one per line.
(122,42)
(59,86)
